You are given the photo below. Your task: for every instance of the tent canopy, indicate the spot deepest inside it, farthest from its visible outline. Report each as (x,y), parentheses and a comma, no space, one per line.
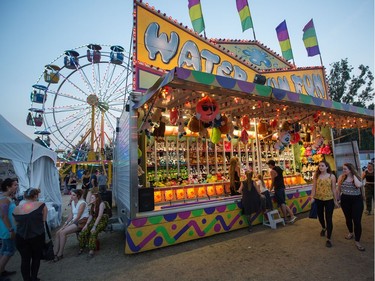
(34,165)
(185,88)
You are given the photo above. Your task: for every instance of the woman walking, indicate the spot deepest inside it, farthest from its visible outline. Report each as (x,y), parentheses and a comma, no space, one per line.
(368,175)
(324,194)
(352,197)
(30,218)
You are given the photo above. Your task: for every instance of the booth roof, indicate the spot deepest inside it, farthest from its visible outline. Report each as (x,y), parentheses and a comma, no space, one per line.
(182,88)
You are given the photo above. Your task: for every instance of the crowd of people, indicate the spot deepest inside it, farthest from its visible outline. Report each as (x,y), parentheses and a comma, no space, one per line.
(23,224)
(347,192)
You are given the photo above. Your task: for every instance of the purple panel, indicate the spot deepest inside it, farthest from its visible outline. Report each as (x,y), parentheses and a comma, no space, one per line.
(183,73)
(327,103)
(184,215)
(246,86)
(293,96)
(221,209)
(139,222)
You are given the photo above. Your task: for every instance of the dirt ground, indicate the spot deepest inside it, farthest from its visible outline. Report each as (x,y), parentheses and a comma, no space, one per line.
(293,252)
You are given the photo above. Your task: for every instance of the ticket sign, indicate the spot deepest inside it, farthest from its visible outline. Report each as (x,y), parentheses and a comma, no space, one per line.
(161,43)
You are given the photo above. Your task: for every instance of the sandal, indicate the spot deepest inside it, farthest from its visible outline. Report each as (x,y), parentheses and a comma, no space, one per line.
(57,258)
(349,236)
(360,247)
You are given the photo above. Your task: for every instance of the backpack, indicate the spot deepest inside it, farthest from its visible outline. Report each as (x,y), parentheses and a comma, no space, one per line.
(107,209)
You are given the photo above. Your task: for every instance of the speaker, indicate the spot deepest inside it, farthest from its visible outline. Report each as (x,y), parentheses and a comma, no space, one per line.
(260,79)
(146,199)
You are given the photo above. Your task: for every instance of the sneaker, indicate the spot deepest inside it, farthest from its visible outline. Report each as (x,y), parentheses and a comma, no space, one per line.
(323,232)
(328,244)
(292,220)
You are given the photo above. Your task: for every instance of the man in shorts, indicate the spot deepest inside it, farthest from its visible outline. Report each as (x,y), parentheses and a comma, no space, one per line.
(279,188)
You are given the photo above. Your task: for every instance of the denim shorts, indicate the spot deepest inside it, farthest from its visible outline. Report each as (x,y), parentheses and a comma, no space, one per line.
(8,247)
(280,196)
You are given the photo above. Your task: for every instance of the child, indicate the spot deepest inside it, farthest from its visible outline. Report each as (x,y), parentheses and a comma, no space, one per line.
(266,198)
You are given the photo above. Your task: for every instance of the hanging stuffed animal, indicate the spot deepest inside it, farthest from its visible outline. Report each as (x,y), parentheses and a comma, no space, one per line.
(262,128)
(284,138)
(159,131)
(146,127)
(230,128)
(194,124)
(207,109)
(215,135)
(224,128)
(296,137)
(244,136)
(173,116)
(181,127)
(245,122)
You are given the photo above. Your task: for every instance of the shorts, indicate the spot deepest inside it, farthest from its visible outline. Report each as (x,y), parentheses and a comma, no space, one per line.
(8,247)
(280,196)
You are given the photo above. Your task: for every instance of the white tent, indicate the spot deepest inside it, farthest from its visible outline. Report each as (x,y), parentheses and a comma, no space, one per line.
(34,165)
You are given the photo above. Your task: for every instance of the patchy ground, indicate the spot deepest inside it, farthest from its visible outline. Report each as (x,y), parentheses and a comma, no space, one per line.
(293,252)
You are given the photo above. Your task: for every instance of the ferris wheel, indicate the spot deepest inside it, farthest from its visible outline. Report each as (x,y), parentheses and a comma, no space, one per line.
(76,100)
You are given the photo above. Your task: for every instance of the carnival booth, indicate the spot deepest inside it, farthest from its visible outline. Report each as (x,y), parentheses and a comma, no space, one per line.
(175,140)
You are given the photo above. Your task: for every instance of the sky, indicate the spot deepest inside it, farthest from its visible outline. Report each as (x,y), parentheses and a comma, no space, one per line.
(34,33)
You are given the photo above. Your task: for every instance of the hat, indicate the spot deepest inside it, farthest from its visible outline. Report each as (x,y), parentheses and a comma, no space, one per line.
(271,162)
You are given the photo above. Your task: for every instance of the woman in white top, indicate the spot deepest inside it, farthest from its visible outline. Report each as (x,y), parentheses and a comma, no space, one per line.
(75,222)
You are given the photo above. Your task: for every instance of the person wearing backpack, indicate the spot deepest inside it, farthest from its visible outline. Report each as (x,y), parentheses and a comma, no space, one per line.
(96,223)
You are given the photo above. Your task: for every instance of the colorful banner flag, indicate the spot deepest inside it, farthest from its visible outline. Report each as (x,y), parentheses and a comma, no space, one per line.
(196,16)
(283,36)
(245,16)
(310,40)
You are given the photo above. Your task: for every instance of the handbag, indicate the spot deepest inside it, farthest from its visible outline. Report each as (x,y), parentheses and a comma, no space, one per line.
(47,253)
(313,211)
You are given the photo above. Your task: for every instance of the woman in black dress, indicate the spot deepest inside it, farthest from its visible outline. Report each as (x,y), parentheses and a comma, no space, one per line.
(251,202)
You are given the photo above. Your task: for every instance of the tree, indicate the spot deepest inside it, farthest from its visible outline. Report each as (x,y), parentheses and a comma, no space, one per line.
(351,89)
(356,90)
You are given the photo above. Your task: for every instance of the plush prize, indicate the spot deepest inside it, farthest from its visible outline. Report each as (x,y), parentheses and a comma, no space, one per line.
(244,136)
(194,124)
(285,138)
(245,122)
(215,135)
(181,127)
(279,146)
(230,127)
(285,126)
(262,128)
(224,128)
(173,116)
(296,137)
(207,109)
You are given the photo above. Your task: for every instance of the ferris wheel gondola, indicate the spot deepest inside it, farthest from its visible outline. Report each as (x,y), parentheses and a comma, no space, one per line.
(86,93)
